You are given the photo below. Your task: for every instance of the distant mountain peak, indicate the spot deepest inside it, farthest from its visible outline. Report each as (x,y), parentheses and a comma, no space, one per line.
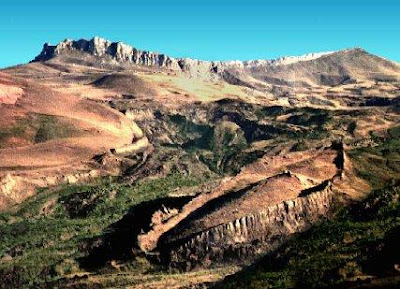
(98,46)
(106,52)
(122,52)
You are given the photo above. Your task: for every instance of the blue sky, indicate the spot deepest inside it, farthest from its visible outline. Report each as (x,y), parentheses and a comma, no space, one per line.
(210,30)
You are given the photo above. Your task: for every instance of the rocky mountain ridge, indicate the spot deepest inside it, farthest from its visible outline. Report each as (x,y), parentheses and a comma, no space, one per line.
(324,68)
(121,52)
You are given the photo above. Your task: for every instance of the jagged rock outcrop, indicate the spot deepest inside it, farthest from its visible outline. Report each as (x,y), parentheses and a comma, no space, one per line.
(14,188)
(116,50)
(324,68)
(7,185)
(268,181)
(250,235)
(138,146)
(121,52)
(246,237)
(253,217)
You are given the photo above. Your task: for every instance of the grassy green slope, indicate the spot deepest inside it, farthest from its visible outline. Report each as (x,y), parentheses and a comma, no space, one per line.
(41,240)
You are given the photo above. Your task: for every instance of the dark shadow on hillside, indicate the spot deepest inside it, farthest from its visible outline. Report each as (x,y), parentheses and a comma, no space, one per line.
(119,240)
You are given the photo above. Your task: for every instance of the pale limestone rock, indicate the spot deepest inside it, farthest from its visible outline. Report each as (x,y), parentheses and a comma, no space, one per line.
(127,54)
(7,184)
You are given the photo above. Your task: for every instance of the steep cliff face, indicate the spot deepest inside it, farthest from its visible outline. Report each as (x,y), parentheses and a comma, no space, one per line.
(324,68)
(117,51)
(270,212)
(121,52)
(250,235)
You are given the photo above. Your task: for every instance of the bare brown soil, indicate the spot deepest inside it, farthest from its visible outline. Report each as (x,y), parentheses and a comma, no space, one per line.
(98,128)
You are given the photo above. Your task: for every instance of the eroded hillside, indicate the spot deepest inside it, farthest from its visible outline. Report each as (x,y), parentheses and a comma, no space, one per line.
(125,167)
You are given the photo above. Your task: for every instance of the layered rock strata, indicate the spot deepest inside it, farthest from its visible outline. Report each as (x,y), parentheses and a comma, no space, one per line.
(249,235)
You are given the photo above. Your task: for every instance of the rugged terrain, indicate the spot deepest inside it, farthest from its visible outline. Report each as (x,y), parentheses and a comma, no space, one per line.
(122,167)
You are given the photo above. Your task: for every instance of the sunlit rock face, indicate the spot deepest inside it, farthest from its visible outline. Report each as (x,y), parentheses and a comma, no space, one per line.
(121,52)
(250,235)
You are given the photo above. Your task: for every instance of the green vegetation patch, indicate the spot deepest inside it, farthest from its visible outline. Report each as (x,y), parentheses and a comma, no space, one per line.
(50,127)
(41,240)
(38,128)
(17,130)
(380,164)
(192,135)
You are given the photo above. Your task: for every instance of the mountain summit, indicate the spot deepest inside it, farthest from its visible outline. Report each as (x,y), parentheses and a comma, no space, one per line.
(121,52)
(324,68)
